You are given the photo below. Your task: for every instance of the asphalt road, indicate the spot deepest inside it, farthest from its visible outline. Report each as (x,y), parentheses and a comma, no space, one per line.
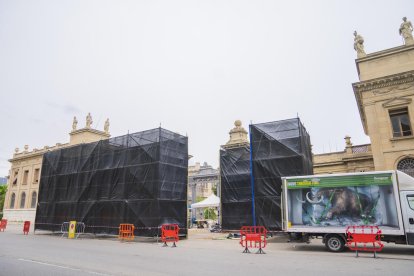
(43,254)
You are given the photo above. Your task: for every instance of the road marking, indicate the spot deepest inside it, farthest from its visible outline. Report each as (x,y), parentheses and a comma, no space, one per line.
(63,267)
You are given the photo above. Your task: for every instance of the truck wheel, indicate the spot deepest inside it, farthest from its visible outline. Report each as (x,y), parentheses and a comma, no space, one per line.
(335,243)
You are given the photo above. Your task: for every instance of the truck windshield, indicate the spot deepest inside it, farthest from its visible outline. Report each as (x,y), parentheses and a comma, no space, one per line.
(410,199)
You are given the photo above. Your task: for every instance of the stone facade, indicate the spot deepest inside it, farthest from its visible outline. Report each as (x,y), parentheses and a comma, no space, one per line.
(351,159)
(24,175)
(384,95)
(201,181)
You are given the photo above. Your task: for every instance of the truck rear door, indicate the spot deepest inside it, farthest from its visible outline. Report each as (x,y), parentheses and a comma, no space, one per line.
(407,202)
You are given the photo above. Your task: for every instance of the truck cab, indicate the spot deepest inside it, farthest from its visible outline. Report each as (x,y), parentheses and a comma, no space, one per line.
(406,188)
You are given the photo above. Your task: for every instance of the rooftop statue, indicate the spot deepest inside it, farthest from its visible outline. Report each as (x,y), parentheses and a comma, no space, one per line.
(89,120)
(359,45)
(74,124)
(106,126)
(406,31)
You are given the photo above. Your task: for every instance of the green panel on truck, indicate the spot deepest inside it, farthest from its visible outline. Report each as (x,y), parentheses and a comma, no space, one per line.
(340,181)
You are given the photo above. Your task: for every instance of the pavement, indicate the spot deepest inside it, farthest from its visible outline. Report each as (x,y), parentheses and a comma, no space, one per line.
(203,253)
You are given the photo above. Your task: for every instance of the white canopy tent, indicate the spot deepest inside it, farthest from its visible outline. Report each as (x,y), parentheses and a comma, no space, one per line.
(211,201)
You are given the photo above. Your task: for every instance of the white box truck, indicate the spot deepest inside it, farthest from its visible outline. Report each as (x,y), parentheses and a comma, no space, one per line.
(322,206)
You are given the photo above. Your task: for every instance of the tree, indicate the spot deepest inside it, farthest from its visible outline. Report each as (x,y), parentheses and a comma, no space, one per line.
(214,188)
(200,198)
(3,190)
(209,213)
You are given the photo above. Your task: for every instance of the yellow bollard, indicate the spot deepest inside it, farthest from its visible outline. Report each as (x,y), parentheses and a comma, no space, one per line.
(72,229)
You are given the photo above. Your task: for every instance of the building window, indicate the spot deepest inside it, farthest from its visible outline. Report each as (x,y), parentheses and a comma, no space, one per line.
(34,199)
(36,176)
(410,199)
(22,200)
(400,122)
(15,175)
(25,177)
(12,200)
(407,166)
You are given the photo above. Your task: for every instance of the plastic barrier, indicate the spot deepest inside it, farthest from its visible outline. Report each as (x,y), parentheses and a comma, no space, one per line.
(169,233)
(126,231)
(80,228)
(26,227)
(3,225)
(253,237)
(359,237)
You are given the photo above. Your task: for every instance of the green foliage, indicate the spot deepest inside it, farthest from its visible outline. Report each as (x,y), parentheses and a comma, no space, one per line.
(210,213)
(3,190)
(200,198)
(214,188)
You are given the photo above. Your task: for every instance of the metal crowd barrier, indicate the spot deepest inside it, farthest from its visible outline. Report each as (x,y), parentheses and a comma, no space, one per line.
(80,229)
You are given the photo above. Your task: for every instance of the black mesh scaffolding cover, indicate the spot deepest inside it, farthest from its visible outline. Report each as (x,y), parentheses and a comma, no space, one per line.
(236,191)
(279,149)
(138,178)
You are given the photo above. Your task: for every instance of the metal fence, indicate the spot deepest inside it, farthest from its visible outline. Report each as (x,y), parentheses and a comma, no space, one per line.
(80,229)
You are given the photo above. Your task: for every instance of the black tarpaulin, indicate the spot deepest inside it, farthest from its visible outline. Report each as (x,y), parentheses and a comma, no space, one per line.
(236,191)
(279,149)
(139,178)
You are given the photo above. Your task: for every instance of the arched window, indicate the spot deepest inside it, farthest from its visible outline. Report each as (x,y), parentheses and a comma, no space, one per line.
(406,165)
(22,200)
(12,200)
(34,199)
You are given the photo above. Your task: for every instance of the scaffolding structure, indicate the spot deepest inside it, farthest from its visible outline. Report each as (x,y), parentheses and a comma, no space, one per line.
(138,178)
(278,149)
(251,176)
(236,193)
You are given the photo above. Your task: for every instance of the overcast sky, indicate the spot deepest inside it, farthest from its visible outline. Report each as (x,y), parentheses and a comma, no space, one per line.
(193,66)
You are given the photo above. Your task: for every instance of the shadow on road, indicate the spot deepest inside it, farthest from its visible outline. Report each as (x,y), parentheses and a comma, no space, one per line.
(392,252)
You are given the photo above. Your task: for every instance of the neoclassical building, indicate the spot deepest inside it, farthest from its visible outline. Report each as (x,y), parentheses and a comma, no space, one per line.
(202,179)
(24,175)
(356,158)
(384,95)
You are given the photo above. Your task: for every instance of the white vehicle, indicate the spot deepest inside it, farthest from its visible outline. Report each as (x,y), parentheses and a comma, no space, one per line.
(322,206)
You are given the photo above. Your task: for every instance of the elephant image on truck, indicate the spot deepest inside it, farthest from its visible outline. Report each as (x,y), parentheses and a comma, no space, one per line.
(322,206)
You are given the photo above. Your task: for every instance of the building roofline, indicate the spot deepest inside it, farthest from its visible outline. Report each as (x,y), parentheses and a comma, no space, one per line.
(384,53)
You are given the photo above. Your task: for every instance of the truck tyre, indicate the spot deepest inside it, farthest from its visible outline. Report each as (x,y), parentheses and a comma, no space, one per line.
(335,243)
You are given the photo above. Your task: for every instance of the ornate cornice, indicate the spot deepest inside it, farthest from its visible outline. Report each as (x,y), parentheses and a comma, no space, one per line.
(328,164)
(383,85)
(20,156)
(90,130)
